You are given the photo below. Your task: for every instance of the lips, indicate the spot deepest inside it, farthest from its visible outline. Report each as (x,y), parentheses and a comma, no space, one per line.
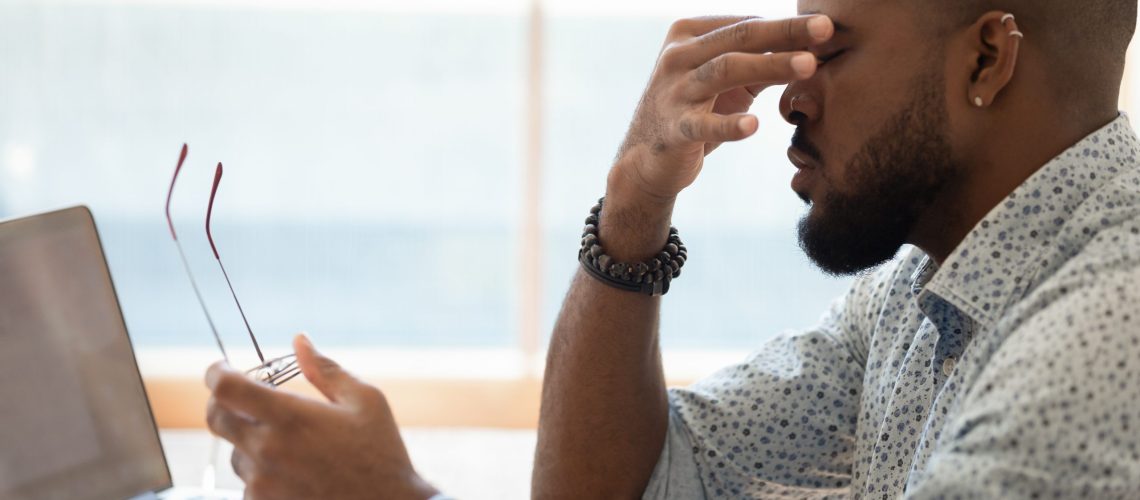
(806,169)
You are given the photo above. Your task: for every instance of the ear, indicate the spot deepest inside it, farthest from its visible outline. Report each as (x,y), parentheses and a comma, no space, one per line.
(996,42)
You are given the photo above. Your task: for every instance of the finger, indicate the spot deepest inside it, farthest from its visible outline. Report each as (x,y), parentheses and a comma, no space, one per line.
(243,465)
(229,425)
(762,36)
(324,373)
(697,26)
(235,391)
(709,127)
(734,70)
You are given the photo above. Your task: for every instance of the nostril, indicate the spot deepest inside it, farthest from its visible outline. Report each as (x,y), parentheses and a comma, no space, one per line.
(795,117)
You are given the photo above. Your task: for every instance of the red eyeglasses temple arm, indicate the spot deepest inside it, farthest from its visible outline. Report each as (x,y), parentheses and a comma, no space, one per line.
(210,236)
(170,193)
(210,210)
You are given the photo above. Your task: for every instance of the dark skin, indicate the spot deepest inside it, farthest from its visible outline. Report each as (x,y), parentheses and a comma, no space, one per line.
(604,409)
(1000,144)
(604,444)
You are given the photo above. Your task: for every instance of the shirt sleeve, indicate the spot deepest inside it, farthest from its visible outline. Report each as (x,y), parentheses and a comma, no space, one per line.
(1054,412)
(780,424)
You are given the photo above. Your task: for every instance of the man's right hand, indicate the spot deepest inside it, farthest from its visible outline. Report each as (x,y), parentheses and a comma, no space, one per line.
(707,76)
(604,406)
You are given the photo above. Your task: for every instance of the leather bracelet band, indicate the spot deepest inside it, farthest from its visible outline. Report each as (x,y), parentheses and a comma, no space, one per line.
(650,278)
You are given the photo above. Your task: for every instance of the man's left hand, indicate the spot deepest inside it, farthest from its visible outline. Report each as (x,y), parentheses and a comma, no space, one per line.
(291,446)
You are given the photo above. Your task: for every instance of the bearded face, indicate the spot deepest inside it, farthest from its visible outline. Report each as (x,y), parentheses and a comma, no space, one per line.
(864,220)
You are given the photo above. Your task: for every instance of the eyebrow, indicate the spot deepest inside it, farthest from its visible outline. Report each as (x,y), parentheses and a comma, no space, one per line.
(839,27)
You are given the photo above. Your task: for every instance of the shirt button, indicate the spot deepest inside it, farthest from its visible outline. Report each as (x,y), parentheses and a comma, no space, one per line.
(948,366)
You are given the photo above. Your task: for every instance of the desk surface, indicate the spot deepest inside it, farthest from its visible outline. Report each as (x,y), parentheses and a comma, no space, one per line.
(454,460)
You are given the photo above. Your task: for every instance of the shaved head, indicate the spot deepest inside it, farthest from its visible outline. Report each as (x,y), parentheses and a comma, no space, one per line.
(925,114)
(1087,40)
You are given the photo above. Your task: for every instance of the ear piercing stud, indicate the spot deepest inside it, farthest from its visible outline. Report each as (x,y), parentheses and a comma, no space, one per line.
(978,101)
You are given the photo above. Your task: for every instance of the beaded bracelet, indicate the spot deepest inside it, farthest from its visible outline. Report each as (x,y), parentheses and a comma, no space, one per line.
(651,278)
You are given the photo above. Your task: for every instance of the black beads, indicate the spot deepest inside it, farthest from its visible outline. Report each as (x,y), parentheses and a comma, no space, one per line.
(651,277)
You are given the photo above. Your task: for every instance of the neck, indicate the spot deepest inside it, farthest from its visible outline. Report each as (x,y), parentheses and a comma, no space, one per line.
(1002,162)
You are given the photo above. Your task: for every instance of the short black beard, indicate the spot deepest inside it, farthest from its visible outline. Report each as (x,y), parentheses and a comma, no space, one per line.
(894,177)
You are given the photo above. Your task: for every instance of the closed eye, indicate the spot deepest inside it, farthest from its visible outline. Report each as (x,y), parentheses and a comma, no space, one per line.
(829,57)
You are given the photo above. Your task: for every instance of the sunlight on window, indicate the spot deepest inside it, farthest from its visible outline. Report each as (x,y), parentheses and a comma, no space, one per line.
(20,162)
(376,157)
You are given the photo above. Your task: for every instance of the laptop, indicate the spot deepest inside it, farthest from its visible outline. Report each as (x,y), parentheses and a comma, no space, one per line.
(75,421)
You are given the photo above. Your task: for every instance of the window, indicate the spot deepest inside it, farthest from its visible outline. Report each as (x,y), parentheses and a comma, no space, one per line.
(747,280)
(389,181)
(367,197)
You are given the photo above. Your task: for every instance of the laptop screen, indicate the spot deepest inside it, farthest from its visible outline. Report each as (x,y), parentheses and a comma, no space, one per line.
(74,418)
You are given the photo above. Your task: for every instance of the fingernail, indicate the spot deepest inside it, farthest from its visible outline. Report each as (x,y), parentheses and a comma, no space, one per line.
(820,27)
(803,64)
(747,124)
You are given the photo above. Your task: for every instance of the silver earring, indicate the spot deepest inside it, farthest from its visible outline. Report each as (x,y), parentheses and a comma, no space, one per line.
(979,102)
(1017,33)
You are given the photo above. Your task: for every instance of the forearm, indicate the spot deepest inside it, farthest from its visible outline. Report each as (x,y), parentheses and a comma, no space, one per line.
(604,408)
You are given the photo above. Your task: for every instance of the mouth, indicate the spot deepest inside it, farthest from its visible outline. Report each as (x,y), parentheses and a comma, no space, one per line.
(806,169)
(807,160)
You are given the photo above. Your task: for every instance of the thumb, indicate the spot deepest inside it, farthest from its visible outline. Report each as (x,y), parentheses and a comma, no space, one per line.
(324,373)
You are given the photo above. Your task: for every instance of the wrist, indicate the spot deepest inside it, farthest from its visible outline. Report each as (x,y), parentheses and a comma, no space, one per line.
(634,224)
(625,185)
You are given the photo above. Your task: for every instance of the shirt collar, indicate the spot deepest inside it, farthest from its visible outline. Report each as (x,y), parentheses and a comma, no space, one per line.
(991,268)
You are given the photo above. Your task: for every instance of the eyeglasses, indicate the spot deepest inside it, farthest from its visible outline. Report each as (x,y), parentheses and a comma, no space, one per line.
(275,371)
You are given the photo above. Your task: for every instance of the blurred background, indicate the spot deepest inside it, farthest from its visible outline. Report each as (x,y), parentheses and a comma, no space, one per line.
(405,180)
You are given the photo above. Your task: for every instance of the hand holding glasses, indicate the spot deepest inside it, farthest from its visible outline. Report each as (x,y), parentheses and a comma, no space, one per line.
(275,371)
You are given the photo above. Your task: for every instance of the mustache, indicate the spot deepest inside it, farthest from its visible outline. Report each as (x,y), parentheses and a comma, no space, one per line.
(801,142)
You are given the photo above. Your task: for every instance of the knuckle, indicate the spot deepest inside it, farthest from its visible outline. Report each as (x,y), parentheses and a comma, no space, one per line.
(681,27)
(728,127)
(742,32)
(328,367)
(770,65)
(715,69)
(689,129)
(374,395)
(226,387)
(723,68)
(671,55)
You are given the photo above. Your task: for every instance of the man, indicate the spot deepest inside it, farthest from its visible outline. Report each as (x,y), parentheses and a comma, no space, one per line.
(996,358)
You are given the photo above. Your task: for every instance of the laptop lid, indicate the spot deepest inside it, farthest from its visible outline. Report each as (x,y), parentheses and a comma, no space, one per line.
(75,421)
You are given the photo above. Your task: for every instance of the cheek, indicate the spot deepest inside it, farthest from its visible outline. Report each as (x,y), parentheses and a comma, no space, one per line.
(857,105)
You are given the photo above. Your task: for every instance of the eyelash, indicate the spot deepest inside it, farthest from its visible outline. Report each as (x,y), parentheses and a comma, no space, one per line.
(825,59)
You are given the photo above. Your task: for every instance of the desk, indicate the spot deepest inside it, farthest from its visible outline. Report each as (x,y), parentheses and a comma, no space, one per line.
(471,464)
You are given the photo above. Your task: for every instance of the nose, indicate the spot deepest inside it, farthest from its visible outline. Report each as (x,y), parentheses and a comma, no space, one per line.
(799,104)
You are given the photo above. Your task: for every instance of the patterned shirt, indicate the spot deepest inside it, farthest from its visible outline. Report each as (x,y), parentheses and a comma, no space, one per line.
(1010,371)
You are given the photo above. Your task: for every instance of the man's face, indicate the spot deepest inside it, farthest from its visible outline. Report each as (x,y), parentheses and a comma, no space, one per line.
(871,142)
